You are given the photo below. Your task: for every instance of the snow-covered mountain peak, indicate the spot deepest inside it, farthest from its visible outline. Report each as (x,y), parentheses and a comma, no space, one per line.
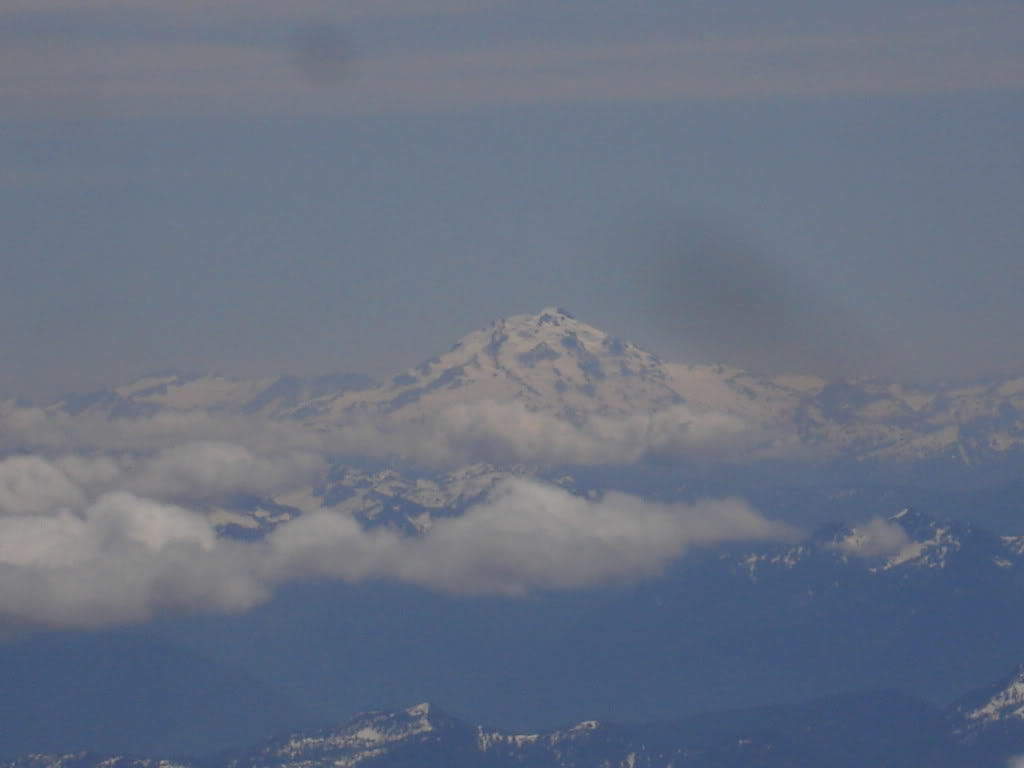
(934,543)
(549,316)
(907,545)
(908,538)
(555,339)
(916,523)
(547,361)
(421,710)
(366,736)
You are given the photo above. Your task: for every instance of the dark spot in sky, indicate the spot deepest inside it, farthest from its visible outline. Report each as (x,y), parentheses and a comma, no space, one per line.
(730,300)
(321,53)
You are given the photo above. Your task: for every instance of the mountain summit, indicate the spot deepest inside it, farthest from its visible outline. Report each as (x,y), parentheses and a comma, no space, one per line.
(549,362)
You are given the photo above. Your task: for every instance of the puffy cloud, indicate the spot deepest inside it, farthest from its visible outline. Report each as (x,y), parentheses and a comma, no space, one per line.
(90,473)
(185,456)
(875,538)
(31,485)
(206,469)
(66,538)
(122,558)
(524,536)
(102,523)
(529,535)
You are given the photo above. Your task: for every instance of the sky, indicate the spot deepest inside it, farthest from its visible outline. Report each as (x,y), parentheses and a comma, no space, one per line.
(262,187)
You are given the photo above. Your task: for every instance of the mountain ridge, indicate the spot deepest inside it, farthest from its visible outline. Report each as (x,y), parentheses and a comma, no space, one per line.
(552,363)
(826,730)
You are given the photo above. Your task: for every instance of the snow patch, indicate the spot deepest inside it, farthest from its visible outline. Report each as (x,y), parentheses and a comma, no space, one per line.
(1007,704)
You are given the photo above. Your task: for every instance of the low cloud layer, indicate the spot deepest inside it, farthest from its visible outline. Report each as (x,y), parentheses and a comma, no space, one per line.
(498,432)
(107,521)
(195,470)
(53,431)
(79,550)
(507,432)
(528,535)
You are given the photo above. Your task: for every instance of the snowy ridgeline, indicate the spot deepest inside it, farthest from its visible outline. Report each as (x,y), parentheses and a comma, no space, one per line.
(985,728)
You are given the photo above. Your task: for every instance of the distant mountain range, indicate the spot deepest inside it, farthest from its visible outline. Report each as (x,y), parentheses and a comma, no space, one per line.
(275,395)
(554,364)
(984,729)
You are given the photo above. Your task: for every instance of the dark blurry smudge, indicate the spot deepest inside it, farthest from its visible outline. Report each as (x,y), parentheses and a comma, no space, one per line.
(321,54)
(729,302)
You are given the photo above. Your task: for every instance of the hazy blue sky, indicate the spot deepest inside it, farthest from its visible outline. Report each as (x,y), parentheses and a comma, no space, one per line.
(260,186)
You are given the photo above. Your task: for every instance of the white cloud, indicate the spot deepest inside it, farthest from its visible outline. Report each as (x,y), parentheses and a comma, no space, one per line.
(187,456)
(875,538)
(193,454)
(101,524)
(203,450)
(31,485)
(529,535)
(67,538)
(210,469)
(121,557)
(498,432)
(504,432)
